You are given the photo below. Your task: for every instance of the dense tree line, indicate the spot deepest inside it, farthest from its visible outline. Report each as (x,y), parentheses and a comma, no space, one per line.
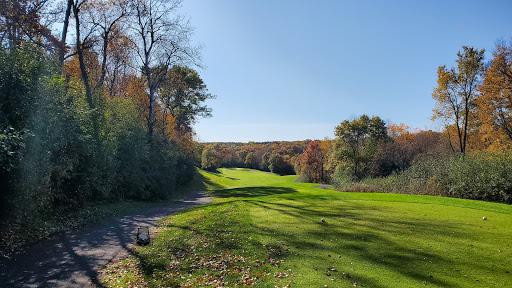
(280,157)
(101,112)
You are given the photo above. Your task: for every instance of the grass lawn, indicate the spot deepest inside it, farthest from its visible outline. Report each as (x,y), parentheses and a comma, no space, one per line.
(265,230)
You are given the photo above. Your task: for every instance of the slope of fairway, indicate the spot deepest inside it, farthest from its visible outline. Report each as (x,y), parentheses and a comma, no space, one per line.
(380,240)
(367,239)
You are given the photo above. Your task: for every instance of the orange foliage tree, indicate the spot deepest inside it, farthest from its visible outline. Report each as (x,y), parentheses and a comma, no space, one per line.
(456,92)
(495,102)
(312,169)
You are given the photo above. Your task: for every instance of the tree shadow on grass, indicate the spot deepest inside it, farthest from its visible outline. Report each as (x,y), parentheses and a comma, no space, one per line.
(248,192)
(200,183)
(219,174)
(354,231)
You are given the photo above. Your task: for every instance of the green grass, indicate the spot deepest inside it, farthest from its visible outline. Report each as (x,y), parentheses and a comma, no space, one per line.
(367,239)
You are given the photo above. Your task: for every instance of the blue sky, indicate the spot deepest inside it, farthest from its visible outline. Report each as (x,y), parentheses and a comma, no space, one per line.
(293,70)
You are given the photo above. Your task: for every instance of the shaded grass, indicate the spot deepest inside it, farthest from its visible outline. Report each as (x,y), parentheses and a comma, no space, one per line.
(367,239)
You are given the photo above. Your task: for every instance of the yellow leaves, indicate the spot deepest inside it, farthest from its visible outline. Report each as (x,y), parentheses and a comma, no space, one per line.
(494,107)
(396,130)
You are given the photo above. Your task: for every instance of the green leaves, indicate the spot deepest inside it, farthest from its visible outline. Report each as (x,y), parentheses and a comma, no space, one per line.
(11,143)
(183,94)
(357,142)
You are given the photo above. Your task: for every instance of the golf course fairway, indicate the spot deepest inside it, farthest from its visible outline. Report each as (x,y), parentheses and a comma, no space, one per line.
(266,230)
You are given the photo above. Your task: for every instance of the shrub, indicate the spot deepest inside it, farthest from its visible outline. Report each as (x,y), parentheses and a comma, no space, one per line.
(485,177)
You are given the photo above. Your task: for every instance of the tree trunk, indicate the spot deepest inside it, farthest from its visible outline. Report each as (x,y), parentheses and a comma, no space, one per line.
(151,98)
(62,51)
(85,75)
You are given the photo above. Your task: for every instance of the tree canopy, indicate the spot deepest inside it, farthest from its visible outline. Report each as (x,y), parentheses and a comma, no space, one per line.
(357,142)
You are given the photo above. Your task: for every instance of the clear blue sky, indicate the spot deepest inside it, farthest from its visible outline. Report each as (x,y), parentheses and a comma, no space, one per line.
(293,70)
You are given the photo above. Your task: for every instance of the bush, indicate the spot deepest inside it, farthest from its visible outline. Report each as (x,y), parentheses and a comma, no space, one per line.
(485,177)
(481,177)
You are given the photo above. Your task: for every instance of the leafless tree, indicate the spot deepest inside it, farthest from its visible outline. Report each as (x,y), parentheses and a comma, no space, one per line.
(161,38)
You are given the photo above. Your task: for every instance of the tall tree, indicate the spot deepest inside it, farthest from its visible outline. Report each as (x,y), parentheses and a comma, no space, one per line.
(83,42)
(211,158)
(277,164)
(495,102)
(20,20)
(161,39)
(357,141)
(107,18)
(264,161)
(456,91)
(65,26)
(251,161)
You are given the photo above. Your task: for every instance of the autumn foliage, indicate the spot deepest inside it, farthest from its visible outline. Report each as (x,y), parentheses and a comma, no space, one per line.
(101,113)
(312,164)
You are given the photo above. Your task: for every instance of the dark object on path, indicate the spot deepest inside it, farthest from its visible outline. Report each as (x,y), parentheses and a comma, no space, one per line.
(143,236)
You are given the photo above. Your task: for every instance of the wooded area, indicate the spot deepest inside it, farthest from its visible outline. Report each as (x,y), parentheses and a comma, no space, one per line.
(102,112)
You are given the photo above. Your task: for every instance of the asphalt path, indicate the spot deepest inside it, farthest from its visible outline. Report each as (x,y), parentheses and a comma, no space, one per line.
(73,259)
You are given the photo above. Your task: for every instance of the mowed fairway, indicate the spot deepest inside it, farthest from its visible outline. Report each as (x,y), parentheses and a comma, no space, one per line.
(367,239)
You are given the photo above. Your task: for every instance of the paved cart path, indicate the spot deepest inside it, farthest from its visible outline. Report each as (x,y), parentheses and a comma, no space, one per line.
(73,259)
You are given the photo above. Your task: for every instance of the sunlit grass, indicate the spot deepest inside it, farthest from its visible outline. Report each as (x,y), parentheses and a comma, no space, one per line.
(211,246)
(367,239)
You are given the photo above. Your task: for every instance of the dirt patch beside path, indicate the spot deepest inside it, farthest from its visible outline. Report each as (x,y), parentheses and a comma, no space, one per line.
(73,259)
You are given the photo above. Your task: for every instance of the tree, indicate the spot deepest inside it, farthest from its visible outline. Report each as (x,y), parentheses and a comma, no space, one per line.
(161,39)
(20,20)
(264,161)
(86,60)
(405,147)
(456,92)
(182,95)
(494,105)
(210,158)
(241,155)
(107,19)
(357,141)
(277,164)
(66,142)
(251,161)
(312,164)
